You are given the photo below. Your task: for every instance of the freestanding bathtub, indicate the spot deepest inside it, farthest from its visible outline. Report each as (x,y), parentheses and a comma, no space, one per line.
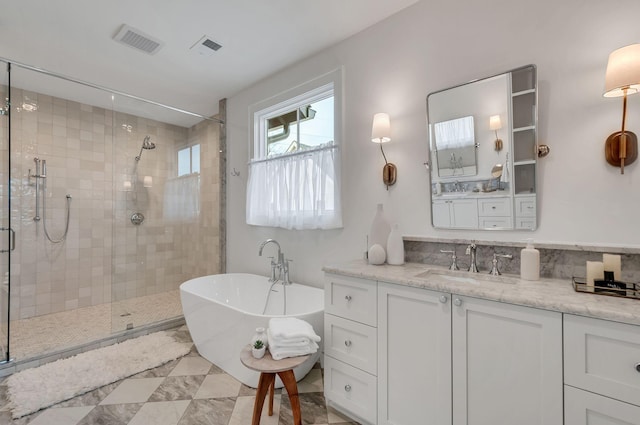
(223,311)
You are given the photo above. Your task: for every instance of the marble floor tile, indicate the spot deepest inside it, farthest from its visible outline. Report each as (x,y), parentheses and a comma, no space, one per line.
(160,413)
(243,411)
(61,416)
(162,370)
(177,388)
(191,365)
(133,391)
(111,414)
(218,386)
(91,398)
(338,418)
(312,383)
(312,407)
(208,412)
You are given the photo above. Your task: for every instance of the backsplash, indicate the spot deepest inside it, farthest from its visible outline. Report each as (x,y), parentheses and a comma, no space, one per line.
(556,261)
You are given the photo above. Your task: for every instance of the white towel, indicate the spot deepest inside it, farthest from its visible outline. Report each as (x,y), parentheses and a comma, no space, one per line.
(282,353)
(291,328)
(287,343)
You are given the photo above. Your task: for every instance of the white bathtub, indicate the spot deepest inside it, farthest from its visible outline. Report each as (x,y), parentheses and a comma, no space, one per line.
(223,311)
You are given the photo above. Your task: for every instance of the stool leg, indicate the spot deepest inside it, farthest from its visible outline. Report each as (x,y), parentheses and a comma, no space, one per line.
(272,389)
(266,379)
(289,381)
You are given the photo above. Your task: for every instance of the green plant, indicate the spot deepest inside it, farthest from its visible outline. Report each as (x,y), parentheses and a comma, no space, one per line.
(258,344)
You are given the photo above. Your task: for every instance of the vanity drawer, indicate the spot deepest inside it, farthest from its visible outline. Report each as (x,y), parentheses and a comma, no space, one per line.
(351,298)
(351,342)
(497,222)
(602,357)
(526,206)
(525,223)
(494,207)
(350,388)
(583,407)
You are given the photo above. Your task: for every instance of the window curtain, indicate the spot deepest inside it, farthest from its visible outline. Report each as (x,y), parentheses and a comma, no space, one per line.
(182,197)
(296,191)
(454,134)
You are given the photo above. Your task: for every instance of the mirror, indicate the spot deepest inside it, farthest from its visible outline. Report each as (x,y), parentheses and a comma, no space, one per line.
(483,153)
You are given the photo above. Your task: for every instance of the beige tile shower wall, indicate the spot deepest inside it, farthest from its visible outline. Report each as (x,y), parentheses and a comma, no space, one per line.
(105,257)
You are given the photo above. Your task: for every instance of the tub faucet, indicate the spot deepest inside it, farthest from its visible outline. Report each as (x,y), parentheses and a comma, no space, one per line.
(471,252)
(275,265)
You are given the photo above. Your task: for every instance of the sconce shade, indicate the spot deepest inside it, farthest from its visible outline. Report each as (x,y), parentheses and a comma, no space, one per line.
(623,71)
(381,129)
(494,122)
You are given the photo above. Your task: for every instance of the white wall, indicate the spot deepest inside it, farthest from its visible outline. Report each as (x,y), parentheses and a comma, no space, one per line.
(439,43)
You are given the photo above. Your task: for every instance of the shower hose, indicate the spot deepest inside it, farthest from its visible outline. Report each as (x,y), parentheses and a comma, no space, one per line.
(44,216)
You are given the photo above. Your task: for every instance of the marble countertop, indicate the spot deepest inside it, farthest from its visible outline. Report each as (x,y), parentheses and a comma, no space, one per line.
(547,294)
(472,195)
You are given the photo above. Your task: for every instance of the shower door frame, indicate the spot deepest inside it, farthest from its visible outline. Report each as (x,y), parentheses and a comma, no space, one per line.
(5,226)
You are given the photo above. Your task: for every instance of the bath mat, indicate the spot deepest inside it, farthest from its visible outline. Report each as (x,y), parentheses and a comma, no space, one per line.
(33,389)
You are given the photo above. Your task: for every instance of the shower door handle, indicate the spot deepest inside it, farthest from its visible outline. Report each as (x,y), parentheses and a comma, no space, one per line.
(13,239)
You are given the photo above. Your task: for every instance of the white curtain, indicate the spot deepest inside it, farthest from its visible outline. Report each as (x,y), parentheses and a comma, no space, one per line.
(454,134)
(296,191)
(182,197)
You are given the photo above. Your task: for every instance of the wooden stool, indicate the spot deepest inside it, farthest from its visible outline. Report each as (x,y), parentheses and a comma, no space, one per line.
(268,369)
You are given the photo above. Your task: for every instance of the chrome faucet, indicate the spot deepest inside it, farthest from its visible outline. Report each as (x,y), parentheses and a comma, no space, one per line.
(494,263)
(275,265)
(454,259)
(471,252)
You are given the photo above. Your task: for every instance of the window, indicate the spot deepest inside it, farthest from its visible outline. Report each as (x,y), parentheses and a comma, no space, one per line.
(294,174)
(189,160)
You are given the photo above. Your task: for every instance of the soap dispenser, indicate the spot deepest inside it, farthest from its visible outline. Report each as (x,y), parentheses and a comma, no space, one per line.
(530,262)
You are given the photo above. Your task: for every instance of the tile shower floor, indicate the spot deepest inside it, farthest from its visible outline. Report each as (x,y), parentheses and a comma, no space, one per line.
(190,390)
(52,332)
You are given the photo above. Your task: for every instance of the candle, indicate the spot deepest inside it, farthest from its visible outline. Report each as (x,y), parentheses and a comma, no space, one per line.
(612,263)
(595,271)
(148,181)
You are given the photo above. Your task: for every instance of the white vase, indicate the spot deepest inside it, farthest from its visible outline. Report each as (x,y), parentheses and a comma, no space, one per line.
(380,229)
(261,335)
(376,255)
(395,247)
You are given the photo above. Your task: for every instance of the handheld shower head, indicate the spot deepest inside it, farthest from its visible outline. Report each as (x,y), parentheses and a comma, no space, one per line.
(146,144)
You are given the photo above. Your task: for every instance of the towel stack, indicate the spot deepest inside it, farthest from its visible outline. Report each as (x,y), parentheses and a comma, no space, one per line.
(291,337)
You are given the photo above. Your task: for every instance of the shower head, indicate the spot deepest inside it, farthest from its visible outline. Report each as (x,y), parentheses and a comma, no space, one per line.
(146,144)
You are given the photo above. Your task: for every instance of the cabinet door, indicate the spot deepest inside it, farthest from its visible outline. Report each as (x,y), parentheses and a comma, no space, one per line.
(507,364)
(583,407)
(441,215)
(464,213)
(414,356)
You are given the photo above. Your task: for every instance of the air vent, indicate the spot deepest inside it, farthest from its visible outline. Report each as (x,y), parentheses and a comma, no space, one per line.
(206,46)
(138,40)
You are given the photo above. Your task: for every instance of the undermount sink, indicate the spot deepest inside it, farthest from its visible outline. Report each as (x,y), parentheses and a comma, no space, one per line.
(453,194)
(459,276)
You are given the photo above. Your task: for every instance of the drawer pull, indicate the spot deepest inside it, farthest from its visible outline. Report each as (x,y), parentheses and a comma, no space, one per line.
(638,367)
(443,299)
(347,388)
(457,302)
(493,208)
(347,343)
(347,297)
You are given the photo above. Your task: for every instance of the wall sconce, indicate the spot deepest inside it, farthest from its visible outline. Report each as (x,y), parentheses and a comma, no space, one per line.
(495,124)
(622,79)
(381,133)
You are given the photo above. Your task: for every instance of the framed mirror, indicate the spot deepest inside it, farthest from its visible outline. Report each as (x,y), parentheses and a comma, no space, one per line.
(483,153)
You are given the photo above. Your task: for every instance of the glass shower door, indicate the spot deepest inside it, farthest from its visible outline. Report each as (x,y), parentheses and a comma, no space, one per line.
(7,240)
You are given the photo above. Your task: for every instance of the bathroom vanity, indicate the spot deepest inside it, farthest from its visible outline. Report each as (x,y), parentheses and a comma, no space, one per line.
(418,344)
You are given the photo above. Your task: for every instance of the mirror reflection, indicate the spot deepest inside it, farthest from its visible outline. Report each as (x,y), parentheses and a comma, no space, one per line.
(482,153)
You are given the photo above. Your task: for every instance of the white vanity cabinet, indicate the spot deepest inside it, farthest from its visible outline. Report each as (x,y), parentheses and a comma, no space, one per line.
(350,346)
(507,364)
(602,372)
(414,356)
(495,212)
(485,362)
(455,213)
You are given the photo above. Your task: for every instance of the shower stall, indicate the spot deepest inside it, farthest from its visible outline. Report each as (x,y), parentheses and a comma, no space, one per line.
(108,202)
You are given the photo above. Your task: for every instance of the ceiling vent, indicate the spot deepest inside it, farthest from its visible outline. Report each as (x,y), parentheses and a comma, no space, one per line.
(138,40)
(206,46)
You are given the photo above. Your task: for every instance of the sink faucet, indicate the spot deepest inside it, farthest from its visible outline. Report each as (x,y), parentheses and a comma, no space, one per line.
(471,252)
(494,263)
(275,265)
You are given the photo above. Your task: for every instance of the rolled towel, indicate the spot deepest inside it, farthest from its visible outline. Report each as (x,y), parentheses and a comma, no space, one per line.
(291,328)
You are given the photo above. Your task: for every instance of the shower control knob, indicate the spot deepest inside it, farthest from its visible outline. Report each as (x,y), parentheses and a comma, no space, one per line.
(137,218)
(443,299)
(347,388)
(457,302)
(347,343)
(347,297)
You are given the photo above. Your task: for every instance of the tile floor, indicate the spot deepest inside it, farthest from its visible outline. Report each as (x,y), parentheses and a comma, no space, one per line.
(190,390)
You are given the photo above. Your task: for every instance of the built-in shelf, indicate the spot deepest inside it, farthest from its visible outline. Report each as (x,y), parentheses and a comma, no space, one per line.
(527,162)
(529,127)
(523,92)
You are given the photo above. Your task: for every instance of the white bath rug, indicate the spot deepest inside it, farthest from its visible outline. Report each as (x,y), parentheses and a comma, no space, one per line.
(33,389)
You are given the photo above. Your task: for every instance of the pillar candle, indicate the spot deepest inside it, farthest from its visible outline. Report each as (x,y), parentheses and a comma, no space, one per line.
(612,263)
(595,271)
